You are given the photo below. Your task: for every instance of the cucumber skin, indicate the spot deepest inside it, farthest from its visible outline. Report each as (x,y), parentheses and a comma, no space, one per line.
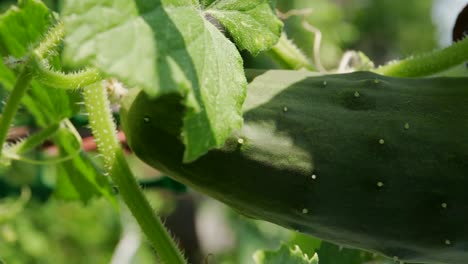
(297,125)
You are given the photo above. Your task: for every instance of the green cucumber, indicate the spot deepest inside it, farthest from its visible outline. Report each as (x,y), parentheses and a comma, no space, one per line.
(361,160)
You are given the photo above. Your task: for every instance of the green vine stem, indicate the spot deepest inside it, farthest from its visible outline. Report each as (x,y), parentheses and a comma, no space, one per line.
(288,55)
(16,150)
(104,131)
(50,42)
(101,122)
(45,73)
(37,139)
(428,64)
(11,107)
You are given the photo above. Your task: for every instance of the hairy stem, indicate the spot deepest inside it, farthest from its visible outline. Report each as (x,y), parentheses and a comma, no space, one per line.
(104,131)
(101,122)
(52,39)
(37,138)
(288,55)
(428,64)
(14,151)
(45,73)
(11,107)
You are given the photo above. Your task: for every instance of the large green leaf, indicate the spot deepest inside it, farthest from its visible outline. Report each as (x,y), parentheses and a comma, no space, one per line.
(251,23)
(163,47)
(21,27)
(206,3)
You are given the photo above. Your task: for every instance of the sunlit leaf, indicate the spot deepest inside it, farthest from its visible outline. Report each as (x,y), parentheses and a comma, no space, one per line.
(23,26)
(252,23)
(163,47)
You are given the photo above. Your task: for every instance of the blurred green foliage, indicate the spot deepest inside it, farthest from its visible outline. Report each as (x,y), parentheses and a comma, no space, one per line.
(60,232)
(383,29)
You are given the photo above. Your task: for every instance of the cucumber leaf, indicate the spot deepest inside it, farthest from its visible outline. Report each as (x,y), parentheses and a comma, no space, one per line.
(252,23)
(163,47)
(23,26)
(284,255)
(206,3)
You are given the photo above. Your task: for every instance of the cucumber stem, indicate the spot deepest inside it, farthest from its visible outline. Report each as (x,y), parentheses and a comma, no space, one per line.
(44,72)
(11,107)
(38,138)
(56,79)
(429,63)
(50,42)
(103,127)
(288,55)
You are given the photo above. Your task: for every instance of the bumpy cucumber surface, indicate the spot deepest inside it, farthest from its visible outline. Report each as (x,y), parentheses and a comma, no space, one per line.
(359,159)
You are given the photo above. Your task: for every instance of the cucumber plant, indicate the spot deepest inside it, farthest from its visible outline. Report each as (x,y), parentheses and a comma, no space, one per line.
(363,159)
